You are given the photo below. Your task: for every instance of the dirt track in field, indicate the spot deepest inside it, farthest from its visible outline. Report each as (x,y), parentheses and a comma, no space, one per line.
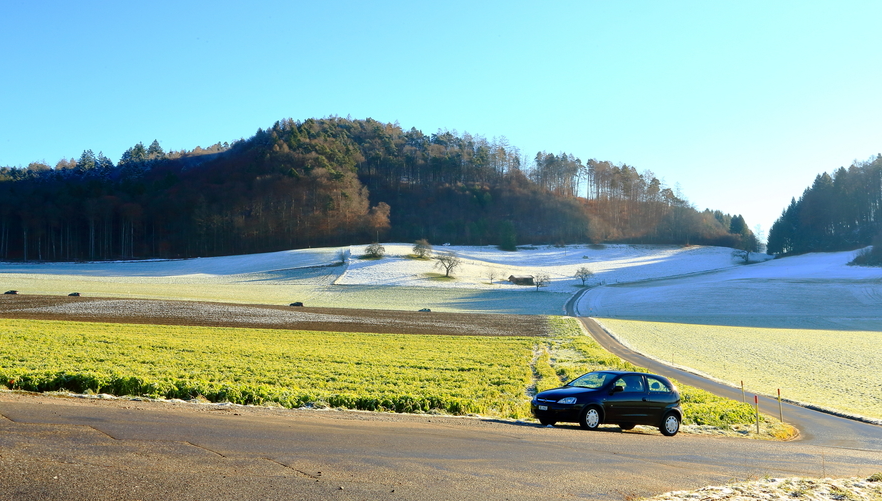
(139,311)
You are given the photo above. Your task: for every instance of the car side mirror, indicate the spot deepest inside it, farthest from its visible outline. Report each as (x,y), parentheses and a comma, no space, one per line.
(617,389)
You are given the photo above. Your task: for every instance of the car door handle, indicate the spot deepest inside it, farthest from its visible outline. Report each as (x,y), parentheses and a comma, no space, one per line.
(644,399)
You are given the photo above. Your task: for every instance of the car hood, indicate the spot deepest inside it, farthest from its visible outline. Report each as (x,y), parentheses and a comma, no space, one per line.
(564,391)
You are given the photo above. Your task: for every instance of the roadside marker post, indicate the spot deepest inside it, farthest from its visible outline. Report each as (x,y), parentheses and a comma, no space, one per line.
(756,402)
(743,398)
(780,406)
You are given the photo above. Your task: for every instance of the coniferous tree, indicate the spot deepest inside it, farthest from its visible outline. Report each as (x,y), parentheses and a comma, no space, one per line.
(154,151)
(839,211)
(87,161)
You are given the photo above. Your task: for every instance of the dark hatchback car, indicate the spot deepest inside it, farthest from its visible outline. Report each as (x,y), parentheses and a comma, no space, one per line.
(612,397)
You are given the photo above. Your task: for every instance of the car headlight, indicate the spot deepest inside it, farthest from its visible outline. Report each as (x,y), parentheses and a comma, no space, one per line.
(567,401)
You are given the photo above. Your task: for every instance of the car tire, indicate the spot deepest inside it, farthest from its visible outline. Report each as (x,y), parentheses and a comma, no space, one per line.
(670,424)
(547,422)
(627,426)
(591,418)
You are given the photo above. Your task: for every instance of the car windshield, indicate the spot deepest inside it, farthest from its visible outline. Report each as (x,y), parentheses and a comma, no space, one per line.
(592,380)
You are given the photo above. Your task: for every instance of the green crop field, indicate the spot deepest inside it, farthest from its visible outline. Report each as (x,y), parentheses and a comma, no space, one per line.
(490,376)
(405,373)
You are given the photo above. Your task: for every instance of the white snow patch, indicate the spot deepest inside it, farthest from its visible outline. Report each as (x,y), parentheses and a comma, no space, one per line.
(612,264)
(209,266)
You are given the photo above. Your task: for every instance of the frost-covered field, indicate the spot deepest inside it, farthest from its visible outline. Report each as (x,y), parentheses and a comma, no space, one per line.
(814,291)
(838,370)
(395,282)
(809,325)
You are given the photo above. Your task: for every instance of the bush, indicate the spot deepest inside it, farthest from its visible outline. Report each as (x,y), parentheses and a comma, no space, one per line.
(374,251)
(422,249)
(871,256)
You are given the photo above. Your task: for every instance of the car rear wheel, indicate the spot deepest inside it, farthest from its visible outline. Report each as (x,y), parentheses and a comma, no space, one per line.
(627,426)
(590,418)
(670,424)
(547,422)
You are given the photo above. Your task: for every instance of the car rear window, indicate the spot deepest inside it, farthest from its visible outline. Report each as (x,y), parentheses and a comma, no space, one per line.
(656,385)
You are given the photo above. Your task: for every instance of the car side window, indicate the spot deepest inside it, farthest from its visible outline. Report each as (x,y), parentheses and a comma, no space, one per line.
(631,383)
(657,385)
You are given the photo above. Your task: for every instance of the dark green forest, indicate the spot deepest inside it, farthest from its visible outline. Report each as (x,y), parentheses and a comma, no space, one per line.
(337,181)
(837,212)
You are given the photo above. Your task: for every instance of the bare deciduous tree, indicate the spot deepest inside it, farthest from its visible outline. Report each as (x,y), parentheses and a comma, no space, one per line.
(541,279)
(342,255)
(491,274)
(449,261)
(584,274)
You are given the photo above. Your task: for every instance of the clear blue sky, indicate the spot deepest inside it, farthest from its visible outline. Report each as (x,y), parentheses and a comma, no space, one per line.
(741,103)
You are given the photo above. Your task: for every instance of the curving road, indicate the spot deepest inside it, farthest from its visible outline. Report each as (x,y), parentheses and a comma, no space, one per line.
(816,427)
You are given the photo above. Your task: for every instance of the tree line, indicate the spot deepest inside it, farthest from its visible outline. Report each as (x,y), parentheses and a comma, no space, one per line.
(335,181)
(837,212)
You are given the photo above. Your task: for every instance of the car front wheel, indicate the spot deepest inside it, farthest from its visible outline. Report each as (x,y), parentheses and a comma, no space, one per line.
(590,419)
(670,424)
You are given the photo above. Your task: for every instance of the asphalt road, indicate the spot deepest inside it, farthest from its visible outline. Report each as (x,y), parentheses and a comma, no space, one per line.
(65,448)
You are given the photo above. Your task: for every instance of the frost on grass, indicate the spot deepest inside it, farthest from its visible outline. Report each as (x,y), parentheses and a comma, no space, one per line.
(837,370)
(856,489)
(197,311)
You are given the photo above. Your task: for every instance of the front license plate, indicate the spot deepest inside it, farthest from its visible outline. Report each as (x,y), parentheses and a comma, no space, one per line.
(543,407)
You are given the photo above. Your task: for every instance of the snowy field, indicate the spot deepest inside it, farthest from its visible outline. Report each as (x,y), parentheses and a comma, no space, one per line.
(814,291)
(316,277)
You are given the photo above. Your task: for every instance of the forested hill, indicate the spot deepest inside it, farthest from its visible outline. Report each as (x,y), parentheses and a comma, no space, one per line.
(838,212)
(337,181)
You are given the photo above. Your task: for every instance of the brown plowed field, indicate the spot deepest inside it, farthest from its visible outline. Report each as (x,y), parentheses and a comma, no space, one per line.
(138,311)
